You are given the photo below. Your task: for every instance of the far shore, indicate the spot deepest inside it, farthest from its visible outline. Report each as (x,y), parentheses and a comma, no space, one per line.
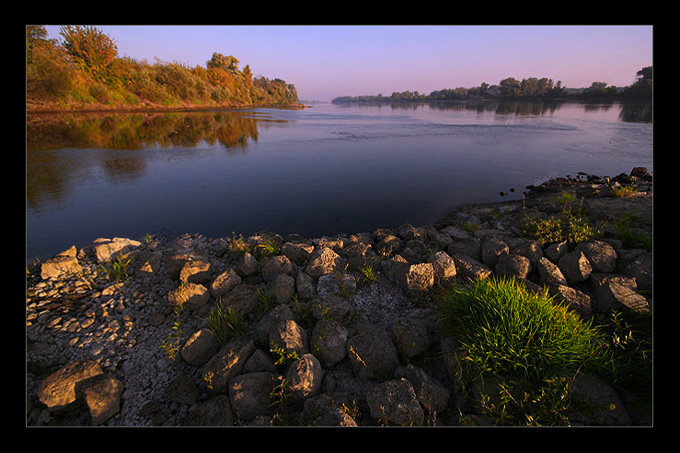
(32,108)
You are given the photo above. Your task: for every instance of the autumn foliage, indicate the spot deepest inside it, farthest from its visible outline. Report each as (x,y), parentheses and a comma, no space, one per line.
(84,70)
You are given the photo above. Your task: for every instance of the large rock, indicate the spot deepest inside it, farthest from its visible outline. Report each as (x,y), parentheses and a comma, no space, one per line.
(471,269)
(444,268)
(58,390)
(271,319)
(224,282)
(275,265)
(417,278)
(411,336)
(64,263)
(329,342)
(601,255)
(227,363)
(107,250)
(189,295)
(511,265)
(492,250)
(431,394)
(575,300)
(242,299)
(102,397)
(396,403)
(195,271)
(297,252)
(595,403)
(290,337)
(372,353)
(617,292)
(575,267)
(214,412)
(303,378)
(324,261)
(549,273)
(200,347)
(282,287)
(252,394)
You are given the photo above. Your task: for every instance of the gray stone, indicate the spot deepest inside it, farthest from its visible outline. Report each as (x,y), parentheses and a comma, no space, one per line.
(601,255)
(279,313)
(372,353)
(417,278)
(189,295)
(275,265)
(59,265)
(431,394)
(303,378)
(58,390)
(336,283)
(471,247)
(511,265)
(492,250)
(444,268)
(411,336)
(224,282)
(548,273)
(247,265)
(228,363)
(304,285)
(183,390)
(576,300)
(575,267)
(258,362)
(324,261)
(297,252)
(101,394)
(195,271)
(243,299)
(200,347)
(282,287)
(395,402)
(617,292)
(471,269)
(595,403)
(251,395)
(214,412)
(289,336)
(107,250)
(329,342)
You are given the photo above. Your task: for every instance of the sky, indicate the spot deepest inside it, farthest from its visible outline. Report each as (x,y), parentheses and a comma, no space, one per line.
(324,61)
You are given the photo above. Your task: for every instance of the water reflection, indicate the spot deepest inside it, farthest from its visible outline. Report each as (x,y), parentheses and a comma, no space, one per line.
(628,111)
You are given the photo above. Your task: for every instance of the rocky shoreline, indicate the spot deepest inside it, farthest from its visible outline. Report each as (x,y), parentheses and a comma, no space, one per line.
(118,331)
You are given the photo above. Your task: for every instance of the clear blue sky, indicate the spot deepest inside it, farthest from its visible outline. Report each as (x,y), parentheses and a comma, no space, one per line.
(324,62)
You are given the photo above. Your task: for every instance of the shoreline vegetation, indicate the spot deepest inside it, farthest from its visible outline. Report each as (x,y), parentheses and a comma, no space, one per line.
(83,72)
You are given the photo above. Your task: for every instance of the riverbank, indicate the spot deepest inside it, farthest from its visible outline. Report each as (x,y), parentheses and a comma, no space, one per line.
(145,107)
(108,345)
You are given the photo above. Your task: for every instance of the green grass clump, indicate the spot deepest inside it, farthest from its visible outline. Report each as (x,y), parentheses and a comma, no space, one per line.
(226,324)
(506,329)
(570,225)
(526,341)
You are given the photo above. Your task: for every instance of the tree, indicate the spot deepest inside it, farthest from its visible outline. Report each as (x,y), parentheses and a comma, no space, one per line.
(90,48)
(510,87)
(225,63)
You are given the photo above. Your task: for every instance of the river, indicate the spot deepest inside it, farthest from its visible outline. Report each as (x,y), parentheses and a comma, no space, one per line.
(322,170)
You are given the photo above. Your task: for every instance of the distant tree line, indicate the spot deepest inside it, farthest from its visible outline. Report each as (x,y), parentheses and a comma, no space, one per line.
(85,69)
(511,88)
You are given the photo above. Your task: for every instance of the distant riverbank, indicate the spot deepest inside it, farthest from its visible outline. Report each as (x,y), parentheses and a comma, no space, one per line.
(51,107)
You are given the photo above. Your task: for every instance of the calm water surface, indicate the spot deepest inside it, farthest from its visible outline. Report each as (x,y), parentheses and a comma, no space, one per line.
(319,171)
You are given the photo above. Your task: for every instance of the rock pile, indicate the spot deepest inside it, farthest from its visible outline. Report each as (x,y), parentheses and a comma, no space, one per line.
(335,331)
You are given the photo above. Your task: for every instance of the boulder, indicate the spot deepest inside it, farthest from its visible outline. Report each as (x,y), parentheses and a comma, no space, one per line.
(431,394)
(275,265)
(258,362)
(324,261)
(336,283)
(595,403)
(58,390)
(617,292)
(372,353)
(416,278)
(411,336)
(322,410)
(243,299)
(555,251)
(289,336)
(189,295)
(200,347)
(297,252)
(247,265)
(304,286)
(195,271)
(601,255)
(279,313)
(395,402)
(282,287)
(107,250)
(303,378)
(575,267)
(215,411)
(637,264)
(224,282)
(101,394)
(444,268)
(228,363)
(252,394)
(471,269)
(147,264)
(183,390)
(329,342)
(492,249)
(511,265)
(332,306)
(60,264)
(549,273)
(471,247)
(576,300)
